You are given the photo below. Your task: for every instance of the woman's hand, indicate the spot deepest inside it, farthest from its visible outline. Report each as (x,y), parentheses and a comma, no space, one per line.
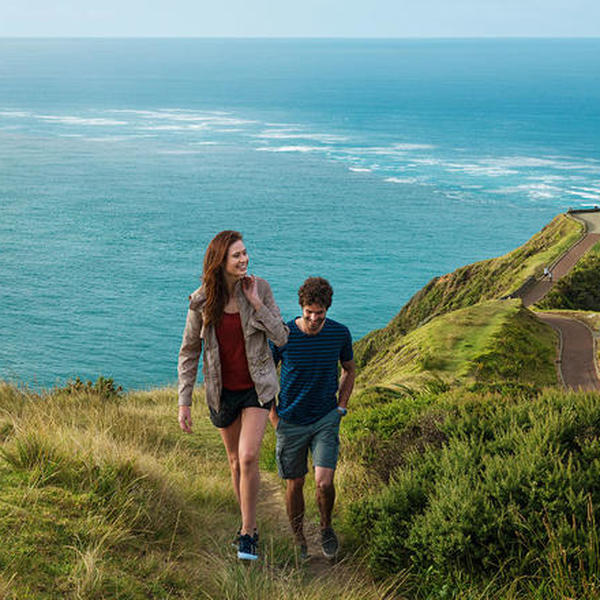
(250,289)
(185,418)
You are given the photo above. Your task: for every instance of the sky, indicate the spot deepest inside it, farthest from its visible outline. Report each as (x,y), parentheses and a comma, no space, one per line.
(300,18)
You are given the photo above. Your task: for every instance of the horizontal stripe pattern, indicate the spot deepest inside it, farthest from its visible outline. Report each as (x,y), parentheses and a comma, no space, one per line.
(309,371)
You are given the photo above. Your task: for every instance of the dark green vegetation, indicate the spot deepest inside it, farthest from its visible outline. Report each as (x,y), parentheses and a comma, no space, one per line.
(580,289)
(473,495)
(465,468)
(486,280)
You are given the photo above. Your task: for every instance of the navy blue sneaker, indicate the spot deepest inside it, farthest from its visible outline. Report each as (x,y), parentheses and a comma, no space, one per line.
(329,543)
(248,547)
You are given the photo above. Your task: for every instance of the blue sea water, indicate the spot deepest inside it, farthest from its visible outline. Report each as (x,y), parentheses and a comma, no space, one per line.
(378,164)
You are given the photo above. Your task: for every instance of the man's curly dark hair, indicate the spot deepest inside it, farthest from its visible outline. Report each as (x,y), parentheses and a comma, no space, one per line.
(315,290)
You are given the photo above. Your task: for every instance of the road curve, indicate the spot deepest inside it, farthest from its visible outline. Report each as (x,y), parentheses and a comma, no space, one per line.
(561,268)
(577,360)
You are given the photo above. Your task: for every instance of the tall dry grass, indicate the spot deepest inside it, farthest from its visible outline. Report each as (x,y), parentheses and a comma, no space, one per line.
(129,507)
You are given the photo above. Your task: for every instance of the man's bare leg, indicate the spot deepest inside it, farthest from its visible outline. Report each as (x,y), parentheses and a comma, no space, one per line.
(294,503)
(325,500)
(325,494)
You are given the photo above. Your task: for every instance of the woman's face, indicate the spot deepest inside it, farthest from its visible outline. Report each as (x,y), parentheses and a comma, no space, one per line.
(236,261)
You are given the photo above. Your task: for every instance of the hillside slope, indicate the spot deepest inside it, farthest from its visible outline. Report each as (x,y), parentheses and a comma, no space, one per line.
(468,285)
(496,340)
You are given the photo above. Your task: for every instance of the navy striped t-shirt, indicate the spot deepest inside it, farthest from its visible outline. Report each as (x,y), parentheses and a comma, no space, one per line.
(309,371)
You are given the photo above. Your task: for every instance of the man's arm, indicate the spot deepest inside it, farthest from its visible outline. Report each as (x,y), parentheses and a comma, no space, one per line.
(346,382)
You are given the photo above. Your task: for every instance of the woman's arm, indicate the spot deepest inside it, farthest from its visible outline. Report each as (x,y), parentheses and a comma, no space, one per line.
(189,356)
(267,316)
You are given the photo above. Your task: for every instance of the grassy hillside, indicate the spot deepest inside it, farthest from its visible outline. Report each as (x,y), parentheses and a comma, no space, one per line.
(580,289)
(491,341)
(485,280)
(102,497)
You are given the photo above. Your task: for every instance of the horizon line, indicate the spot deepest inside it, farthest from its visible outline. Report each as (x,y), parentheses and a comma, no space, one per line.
(299,37)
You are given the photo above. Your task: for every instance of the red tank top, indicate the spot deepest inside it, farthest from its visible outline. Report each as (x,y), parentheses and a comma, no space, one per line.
(232,351)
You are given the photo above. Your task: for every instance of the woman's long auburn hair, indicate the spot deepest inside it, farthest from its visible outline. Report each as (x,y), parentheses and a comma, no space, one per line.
(213,279)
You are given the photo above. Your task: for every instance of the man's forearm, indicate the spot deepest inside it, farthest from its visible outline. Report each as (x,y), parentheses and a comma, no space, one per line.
(345,387)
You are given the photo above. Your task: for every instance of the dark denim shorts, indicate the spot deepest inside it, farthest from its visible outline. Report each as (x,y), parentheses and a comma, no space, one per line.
(232,404)
(294,441)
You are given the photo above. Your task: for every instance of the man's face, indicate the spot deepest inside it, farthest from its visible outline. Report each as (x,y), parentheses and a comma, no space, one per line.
(313,317)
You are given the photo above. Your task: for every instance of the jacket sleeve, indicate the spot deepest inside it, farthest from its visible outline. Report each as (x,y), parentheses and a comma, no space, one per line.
(189,356)
(268,317)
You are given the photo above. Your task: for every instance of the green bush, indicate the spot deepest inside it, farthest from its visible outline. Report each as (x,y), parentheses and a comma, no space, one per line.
(579,290)
(103,387)
(497,499)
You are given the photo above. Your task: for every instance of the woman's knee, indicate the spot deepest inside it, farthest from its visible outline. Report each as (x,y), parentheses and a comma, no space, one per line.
(248,459)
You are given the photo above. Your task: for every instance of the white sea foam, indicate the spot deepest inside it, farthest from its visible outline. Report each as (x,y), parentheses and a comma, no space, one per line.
(70,120)
(180,115)
(401,180)
(14,113)
(327,138)
(359,169)
(204,143)
(292,149)
(395,150)
(516,162)
(109,138)
(413,147)
(431,162)
(179,152)
(535,191)
(195,127)
(490,170)
(585,195)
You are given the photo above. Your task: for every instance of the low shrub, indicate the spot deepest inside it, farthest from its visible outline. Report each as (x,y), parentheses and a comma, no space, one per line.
(578,290)
(496,499)
(103,387)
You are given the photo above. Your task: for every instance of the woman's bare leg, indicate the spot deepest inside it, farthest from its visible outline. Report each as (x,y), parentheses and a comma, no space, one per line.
(231,439)
(253,422)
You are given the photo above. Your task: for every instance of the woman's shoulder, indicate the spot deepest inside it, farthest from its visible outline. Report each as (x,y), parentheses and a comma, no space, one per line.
(197,298)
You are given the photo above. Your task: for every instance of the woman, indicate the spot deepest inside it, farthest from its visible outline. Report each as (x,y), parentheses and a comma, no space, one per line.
(233,315)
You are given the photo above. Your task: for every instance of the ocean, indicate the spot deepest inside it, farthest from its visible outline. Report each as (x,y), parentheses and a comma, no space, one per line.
(377,164)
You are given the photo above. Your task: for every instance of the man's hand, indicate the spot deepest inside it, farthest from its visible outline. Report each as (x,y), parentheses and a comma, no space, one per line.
(185,418)
(250,289)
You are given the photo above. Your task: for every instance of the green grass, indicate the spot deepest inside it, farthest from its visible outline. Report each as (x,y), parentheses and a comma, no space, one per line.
(101,496)
(469,285)
(494,341)
(579,289)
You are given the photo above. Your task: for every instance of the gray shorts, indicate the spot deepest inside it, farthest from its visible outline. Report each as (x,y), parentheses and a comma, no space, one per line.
(294,441)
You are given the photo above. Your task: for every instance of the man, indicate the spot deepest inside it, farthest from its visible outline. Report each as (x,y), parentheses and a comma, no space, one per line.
(311,405)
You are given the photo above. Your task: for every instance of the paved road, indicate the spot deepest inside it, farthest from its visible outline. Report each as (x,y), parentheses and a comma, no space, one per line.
(577,361)
(562,267)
